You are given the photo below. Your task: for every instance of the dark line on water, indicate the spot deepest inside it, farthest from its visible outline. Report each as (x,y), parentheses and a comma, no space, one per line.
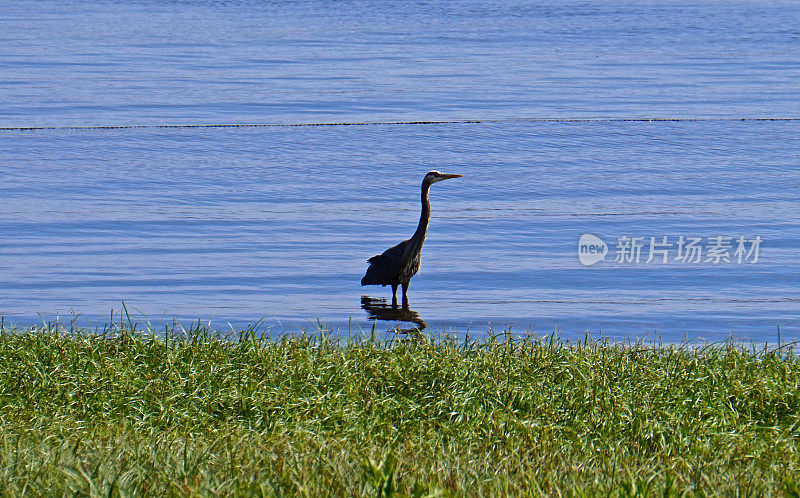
(392,123)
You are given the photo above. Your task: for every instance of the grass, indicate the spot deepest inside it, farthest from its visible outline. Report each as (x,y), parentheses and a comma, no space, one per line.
(126,413)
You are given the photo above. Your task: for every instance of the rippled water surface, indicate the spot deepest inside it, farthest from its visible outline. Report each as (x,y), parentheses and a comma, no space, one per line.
(234,224)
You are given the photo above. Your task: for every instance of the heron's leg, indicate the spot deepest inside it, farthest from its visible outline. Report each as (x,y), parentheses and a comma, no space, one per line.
(405,295)
(394,295)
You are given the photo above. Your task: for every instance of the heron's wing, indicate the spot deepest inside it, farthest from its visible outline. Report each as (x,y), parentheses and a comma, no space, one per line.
(385,268)
(393,254)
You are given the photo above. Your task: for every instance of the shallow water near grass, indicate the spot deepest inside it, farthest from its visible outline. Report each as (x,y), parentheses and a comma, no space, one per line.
(236,224)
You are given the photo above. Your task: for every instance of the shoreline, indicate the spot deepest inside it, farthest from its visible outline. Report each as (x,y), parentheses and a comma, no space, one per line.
(379,329)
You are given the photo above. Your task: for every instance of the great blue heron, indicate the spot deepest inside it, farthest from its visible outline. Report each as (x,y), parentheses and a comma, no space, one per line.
(396,265)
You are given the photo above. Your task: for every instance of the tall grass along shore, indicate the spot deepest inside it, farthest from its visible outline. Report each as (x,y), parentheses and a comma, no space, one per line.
(127,413)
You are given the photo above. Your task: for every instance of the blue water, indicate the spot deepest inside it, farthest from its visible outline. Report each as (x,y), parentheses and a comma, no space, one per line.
(232,224)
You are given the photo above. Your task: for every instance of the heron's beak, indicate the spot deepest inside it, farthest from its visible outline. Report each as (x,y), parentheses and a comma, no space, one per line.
(447,177)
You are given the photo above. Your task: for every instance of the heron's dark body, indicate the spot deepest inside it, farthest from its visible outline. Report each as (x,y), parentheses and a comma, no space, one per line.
(395,266)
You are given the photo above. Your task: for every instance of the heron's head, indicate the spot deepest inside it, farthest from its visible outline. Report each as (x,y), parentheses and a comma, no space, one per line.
(435,176)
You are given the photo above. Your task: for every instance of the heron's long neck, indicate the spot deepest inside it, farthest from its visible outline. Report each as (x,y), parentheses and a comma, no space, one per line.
(422,229)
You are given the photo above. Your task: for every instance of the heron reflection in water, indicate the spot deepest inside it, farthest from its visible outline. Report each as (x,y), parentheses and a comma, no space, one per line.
(396,265)
(378,309)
